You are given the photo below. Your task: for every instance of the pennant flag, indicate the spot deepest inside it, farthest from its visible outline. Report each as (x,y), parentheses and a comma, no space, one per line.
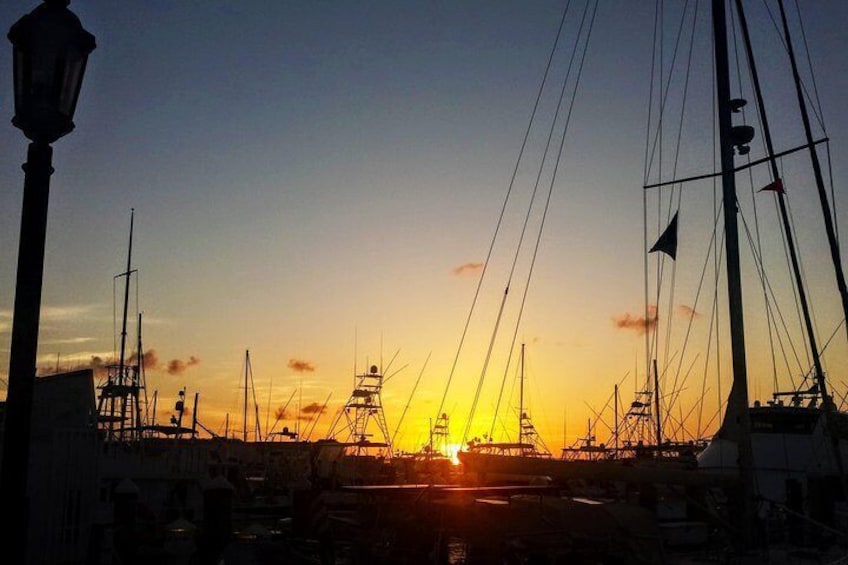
(776,186)
(667,243)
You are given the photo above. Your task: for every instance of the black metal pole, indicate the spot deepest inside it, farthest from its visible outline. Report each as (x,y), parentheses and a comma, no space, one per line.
(24,347)
(832,238)
(736,425)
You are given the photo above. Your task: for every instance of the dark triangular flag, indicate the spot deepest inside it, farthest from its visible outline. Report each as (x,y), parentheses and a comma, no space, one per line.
(776,186)
(667,243)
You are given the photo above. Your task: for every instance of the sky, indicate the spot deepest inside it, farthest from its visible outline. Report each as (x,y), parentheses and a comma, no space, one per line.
(310,178)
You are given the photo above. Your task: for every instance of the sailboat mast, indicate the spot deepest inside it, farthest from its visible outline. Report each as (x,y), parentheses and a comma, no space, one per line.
(657,405)
(737,424)
(521,402)
(246,367)
(139,371)
(126,298)
(817,172)
(616,420)
(122,362)
(781,202)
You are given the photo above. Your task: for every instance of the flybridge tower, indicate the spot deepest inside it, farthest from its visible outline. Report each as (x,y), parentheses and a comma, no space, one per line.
(119,409)
(364,429)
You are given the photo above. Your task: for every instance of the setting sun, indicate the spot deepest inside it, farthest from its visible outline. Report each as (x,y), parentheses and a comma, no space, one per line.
(453,449)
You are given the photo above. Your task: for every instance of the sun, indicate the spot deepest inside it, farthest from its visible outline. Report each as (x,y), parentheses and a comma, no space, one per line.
(453,449)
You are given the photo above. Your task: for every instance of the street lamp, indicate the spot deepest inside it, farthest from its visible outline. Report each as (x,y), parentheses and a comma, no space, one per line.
(50,50)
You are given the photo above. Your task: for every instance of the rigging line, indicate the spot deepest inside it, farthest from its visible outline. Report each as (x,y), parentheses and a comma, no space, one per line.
(688,415)
(656,144)
(664,95)
(391,361)
(768,150)
(606,405)
(318,417)
(786,49)
(825,206)
(499,318)
(770,323)
(411,394)
(793,285)
(515,378)
(676,391)
(697,300)
(678,192)
(820,113)
(773,304)
(114,319)
(530,207)
(717,414)
(336,419)
(396,373)
(645,164)
(718,253)
(658,148)
(645,177)
(258,431)
(808,346)
(279,415)
(797,267)
(503,207)
(832,193)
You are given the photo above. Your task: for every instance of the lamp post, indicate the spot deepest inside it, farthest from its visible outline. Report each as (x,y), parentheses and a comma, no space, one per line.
(50,50)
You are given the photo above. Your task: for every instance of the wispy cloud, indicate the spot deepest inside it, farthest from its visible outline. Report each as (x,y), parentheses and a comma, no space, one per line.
(467,268)
(313,408)
(178,366)
(67,312)
(301,366)
(68,341)
(637,323)
(688,312)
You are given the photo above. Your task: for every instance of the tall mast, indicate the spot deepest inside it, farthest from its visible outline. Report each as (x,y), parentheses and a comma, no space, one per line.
(246,366)
(126,296)
(521,402)
(784,216)
(657,405)
(827,401)
(616,419)
(139,371)
(817,172)
(122,362)
(736,426)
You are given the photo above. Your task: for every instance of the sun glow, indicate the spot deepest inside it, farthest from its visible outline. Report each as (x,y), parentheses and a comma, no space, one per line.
(453,449)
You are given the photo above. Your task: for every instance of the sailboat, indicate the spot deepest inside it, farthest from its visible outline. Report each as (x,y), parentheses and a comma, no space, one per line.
(780,466)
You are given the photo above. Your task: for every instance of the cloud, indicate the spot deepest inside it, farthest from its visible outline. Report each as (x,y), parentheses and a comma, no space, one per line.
(639,324)
(150,359)
(313,408)
(69,341)
(281,413)
(301,366)
(688,312)
(178,366)
(57,313)
(467,269)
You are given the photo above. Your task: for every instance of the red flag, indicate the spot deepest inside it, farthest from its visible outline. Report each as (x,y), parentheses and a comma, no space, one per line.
(776,186)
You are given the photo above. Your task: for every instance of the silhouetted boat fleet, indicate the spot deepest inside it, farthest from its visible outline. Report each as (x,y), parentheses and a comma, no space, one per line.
(110,485)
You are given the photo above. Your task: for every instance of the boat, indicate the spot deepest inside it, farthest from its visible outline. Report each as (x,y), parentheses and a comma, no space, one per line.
(776,470)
